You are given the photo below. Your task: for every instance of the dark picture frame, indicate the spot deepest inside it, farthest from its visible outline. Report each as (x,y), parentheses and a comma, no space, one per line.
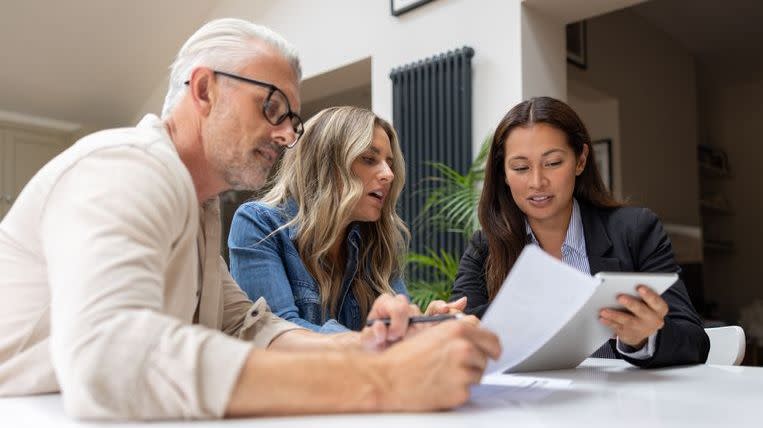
(399,7)
(577,44)
(602,151)
(713,159)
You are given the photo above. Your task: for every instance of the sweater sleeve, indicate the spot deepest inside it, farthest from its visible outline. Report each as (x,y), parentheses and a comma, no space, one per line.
(108,229)
(247,320)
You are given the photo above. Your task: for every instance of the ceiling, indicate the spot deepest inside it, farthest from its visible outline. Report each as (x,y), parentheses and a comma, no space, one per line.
(95,63)
(567,11)
(90,62)
(724,35)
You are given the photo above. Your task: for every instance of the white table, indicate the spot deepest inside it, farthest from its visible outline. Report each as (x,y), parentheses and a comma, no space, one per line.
(602,393)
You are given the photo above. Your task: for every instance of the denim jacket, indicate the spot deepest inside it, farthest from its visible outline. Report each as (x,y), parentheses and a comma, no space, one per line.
(272,268)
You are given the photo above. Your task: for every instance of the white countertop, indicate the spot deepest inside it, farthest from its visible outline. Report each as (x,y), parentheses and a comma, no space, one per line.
(599,393)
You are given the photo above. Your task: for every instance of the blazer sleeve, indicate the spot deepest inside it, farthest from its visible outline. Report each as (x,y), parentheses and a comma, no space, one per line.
(682,340)
(470,279)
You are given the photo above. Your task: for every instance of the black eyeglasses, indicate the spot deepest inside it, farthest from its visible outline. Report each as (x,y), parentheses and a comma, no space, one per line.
(276,106)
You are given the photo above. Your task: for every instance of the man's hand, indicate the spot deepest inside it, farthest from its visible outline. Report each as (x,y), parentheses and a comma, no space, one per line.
(647,315)
(432,372)
(435,370)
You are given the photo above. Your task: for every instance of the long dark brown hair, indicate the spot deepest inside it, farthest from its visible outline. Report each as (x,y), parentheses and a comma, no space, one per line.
(503,223)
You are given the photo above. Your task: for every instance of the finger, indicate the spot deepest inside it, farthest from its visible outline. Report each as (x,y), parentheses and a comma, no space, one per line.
(475,360)
(379,308)
(637,307)
(485,341)
(374,337)
(654,300)
(466,355)
(396,309)
(468,376)
(437,307)
(413,310)
(470,319)
(368,339)
(458,305)
(616,328)
(619,317)
(380,334)
(398,317)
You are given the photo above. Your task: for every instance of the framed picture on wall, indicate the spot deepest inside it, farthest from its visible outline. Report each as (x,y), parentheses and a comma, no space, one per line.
(577,48)
(602,152)
(399,7)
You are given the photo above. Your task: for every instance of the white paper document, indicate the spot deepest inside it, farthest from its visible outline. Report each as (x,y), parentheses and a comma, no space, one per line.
(502,389)
(546,313)
(537,300)
(519,381)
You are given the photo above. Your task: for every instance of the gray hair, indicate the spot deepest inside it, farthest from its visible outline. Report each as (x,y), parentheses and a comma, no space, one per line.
(222,43)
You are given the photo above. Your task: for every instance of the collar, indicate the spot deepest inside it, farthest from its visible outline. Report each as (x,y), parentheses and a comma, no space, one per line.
(575,237)
(152,122)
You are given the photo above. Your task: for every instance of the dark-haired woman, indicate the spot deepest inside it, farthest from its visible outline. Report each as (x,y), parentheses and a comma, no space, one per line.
(542,187)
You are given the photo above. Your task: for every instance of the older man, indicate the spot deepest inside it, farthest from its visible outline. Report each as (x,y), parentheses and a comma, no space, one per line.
(112,290)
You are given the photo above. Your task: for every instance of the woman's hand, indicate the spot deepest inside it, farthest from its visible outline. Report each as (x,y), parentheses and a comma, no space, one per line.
(647,315)
(437,307)
(398,309)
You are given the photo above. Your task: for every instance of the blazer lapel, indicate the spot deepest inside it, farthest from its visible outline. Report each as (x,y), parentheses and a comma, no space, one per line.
(597,242)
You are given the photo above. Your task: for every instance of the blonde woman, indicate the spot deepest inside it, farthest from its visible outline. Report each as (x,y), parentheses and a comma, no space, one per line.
(326,241)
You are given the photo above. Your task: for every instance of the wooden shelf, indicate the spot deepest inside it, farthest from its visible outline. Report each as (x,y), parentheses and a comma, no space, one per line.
(708,171)
(719,246)
(715,205)
(712,209)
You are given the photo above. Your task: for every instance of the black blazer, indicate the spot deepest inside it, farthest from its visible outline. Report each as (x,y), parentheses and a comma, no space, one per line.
(626,239)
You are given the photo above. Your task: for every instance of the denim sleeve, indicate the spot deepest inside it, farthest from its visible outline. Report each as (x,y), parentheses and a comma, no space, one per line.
(332,326)
(399,287)
(257,265)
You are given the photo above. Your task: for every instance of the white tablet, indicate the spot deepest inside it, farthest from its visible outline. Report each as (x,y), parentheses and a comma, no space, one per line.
(613,284)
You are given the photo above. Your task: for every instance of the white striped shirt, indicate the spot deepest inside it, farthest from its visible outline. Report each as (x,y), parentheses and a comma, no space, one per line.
(573,249)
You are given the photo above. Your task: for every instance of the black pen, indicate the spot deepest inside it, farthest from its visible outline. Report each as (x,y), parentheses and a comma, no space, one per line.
(420,319)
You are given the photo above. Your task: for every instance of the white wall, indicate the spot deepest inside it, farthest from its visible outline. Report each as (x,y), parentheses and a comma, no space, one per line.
(654,81)
(332,33)
(544,71)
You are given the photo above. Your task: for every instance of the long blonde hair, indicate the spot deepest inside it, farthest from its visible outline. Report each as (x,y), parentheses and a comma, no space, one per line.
(317,175)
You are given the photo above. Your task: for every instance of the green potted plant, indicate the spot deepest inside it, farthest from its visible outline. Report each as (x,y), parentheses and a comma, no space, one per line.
(451,207)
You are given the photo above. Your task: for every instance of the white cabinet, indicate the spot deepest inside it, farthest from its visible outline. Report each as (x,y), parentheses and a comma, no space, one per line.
(22,153)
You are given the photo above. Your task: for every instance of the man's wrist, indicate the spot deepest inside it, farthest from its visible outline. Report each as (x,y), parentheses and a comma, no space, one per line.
(380,376)
(349,341)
